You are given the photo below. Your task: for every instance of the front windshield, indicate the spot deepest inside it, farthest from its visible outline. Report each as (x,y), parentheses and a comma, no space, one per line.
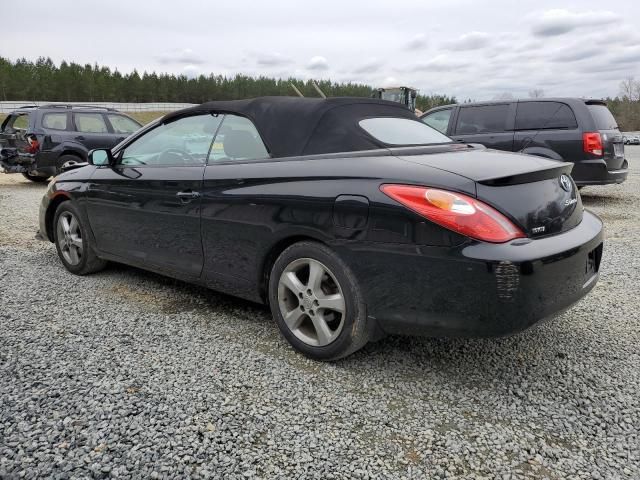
(393,96)
(402,131)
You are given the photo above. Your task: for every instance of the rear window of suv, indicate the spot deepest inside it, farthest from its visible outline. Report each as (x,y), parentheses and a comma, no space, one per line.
(544,115)
(602,117)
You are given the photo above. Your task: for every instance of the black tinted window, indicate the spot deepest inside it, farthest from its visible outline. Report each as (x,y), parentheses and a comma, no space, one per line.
(539,115)
(602,117)
(484,119)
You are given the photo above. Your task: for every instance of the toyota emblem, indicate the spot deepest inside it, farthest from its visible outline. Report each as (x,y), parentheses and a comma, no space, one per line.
(565,183)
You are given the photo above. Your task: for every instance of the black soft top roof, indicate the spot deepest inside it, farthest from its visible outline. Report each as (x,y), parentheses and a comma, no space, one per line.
(293,126)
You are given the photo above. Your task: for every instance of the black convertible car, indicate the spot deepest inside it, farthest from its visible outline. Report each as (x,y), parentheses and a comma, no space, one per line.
(349,217)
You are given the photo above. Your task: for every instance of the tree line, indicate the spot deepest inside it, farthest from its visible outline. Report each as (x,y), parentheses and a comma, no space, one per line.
(71,82)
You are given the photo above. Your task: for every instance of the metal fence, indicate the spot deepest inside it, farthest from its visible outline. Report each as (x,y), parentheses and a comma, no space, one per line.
(6,107)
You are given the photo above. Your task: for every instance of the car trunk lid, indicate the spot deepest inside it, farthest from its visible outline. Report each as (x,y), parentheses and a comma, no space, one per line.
(536,193)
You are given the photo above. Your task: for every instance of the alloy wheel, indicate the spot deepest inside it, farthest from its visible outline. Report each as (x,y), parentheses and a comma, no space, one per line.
(69,237)
(311,302)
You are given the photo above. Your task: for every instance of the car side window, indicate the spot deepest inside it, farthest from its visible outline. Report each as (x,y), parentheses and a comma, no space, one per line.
(439,119)
(482,119)
(55,121)
(182,142)
(90,123)
(544,115)
(122,124)
(237,139)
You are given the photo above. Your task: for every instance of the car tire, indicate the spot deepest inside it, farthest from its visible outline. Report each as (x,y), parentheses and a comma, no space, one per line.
(62,159)
(73,243)
(322,314)
(35,178)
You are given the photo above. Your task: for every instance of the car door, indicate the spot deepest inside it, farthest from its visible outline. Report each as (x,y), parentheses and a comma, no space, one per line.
(548,129)
(146,208)
(491,125)
(233,221)
(91,130)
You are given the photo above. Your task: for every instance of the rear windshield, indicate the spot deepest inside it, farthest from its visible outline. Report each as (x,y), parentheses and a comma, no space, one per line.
(402,131)
(602,117)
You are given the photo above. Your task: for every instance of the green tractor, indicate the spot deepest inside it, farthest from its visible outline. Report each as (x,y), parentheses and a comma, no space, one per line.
(404,95)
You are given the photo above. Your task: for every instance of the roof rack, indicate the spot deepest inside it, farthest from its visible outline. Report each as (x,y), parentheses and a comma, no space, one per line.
(27,106)
(69,106)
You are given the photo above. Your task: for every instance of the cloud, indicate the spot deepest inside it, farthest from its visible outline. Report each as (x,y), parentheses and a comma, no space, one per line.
(272,59)
(559,21)
(371,66)
(186,56)
(418,41)
(318,63)
(191,71)
(630,55)
(573,54)
(439,63)
(389,82)
(469,41)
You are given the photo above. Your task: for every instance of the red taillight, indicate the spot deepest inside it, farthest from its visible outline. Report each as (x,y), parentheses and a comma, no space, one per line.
(592,143)
(457,212)
(33,144)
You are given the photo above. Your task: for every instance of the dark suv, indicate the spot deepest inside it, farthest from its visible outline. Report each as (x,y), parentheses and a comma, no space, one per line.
(38,141)
(569,129)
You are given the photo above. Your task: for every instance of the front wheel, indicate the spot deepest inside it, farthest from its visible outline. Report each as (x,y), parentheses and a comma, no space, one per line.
(73,244)
(316,302)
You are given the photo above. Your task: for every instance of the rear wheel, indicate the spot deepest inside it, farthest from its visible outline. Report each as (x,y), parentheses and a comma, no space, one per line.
(74,246)
(317,303)
(35,178)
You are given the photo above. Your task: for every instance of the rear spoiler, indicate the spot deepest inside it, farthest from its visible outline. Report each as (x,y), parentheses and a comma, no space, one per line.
(529,177)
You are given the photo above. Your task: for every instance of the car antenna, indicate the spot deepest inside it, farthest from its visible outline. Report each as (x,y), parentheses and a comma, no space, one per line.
(296,90)
(315,85)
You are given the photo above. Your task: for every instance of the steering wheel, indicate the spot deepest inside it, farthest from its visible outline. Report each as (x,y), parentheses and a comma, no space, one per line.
(169,156)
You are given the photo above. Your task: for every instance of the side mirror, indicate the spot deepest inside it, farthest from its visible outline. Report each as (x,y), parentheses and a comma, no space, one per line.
(100,157)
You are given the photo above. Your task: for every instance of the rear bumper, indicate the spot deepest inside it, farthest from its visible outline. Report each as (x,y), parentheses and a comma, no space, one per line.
(478,289)
(594,172)
(13,161)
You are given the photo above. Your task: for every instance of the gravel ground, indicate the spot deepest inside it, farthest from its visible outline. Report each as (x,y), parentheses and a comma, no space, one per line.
(129,374)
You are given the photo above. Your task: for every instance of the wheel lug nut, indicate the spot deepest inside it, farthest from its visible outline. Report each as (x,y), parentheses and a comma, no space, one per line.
(300,295)
(316,303)
(302,307)
(309,292)
(312,312)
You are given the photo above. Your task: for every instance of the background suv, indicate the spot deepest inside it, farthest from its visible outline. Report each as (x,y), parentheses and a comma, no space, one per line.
(569,129)
(38,141)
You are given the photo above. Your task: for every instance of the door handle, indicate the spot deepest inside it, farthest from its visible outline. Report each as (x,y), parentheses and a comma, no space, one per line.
(188,195)
(80,137)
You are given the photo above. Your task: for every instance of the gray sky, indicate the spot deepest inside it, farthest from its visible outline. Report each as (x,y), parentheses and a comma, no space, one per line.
(456,47)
